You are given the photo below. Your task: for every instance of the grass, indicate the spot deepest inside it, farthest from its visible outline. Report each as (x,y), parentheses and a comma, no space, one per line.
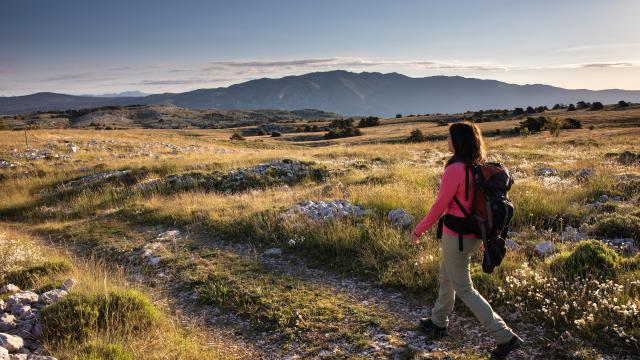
(376,170)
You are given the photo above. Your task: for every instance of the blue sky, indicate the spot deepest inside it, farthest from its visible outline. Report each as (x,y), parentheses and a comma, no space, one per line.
(90,47)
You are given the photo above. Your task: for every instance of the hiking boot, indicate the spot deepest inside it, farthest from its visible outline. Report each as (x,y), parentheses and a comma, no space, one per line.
(427,326)
(502,350)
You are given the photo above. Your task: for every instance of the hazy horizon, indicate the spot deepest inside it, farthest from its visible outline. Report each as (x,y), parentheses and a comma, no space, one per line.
(79,48)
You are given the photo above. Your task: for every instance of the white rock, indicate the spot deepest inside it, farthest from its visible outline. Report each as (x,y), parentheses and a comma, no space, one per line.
(11,342)
(545,248)
(511,245)
(69,284)
(399,217)
(53,296)
(20,357)
(2,305)
(9,288)
(546,171)
(4,354)
(603,198)
(7,322)
(73,147)
(23,298)
(273,252)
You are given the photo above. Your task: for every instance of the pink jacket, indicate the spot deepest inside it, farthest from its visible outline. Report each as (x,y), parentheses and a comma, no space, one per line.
(451,184)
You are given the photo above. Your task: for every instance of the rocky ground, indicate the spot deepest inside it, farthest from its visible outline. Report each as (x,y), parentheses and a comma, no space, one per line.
(20,327)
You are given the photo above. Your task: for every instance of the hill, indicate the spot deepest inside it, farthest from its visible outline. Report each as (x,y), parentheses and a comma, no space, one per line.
(342,92)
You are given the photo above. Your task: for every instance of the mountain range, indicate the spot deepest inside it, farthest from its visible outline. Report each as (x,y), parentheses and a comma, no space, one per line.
(344,92)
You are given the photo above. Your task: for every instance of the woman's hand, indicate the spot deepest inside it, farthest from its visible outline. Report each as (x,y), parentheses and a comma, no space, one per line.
(414,239)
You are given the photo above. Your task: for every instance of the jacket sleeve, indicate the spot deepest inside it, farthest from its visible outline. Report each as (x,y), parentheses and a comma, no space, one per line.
(448,187)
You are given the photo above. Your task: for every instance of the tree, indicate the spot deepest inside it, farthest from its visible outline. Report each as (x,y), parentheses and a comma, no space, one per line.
(597,106)
(275,134)
(518,111)
(398,116)
(571,107)
(622,103)
(582,105)
(530,110)
(556,107)
(369,121)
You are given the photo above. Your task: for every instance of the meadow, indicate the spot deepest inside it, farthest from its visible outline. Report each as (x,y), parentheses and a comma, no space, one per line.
(201,252)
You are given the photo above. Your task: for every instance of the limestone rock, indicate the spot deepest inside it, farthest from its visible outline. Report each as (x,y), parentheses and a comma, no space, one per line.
(11,342)
(7,322)
(68,284)
(22,298)
(4,354)
(545,248)
(53,296)
(399,217)
(9,288)
(273,252)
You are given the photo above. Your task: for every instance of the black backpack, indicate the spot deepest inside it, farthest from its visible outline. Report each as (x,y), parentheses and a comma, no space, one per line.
(490,215)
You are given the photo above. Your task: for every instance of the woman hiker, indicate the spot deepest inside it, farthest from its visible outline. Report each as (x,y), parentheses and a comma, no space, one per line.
(467,146)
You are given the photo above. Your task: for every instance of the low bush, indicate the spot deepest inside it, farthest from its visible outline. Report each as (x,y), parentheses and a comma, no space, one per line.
(102,351)
(369,121)
(588,258)
(236,137)
(416,136)
(29,277)
(78,316)
(617,226)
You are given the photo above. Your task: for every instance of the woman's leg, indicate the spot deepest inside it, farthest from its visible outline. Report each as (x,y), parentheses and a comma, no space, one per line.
(457,267)
(446,299)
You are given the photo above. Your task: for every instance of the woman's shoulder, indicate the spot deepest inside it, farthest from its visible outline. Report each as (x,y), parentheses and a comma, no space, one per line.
(456,167)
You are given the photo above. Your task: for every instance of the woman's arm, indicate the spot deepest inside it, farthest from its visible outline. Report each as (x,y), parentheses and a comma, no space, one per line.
(448,188)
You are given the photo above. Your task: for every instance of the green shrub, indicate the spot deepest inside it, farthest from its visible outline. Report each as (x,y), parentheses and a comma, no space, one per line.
(588,258)
(79,316)
(618,226)
(101,351)
(29,277)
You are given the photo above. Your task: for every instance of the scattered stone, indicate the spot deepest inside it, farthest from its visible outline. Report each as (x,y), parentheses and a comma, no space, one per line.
(91,179)
(571,233)
(585,174)
(4,164)
(2,305)
(11,342)
(68,284)
(626,246)
(273,252)
(4,354)
(73,147)
(9,288)
(399,217)
(545,248)
(7,322)
(547,171)
(276,171)
(628,158)
(322,211)
(22,298)
(53,296)
(511,245)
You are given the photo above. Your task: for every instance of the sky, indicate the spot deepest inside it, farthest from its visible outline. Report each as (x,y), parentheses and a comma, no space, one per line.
(97,47)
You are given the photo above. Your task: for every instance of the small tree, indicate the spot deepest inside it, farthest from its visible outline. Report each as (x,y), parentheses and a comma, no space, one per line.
(276,134)
(597,106)
(518,111)
(398,116)
(571,107)
(582,105)
(369,121)
(622,103)
(530,110)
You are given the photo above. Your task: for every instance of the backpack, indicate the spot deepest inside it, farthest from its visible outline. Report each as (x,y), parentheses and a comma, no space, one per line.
(490,215)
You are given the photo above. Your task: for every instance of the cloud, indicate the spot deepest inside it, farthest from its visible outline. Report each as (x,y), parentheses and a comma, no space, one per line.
(599,47)
(607,65)
(181,81)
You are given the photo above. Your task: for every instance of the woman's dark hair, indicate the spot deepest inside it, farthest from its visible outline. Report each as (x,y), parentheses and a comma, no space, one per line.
(467,143)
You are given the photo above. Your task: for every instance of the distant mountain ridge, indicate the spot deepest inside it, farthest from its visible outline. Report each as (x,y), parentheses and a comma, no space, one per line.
(343,92)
